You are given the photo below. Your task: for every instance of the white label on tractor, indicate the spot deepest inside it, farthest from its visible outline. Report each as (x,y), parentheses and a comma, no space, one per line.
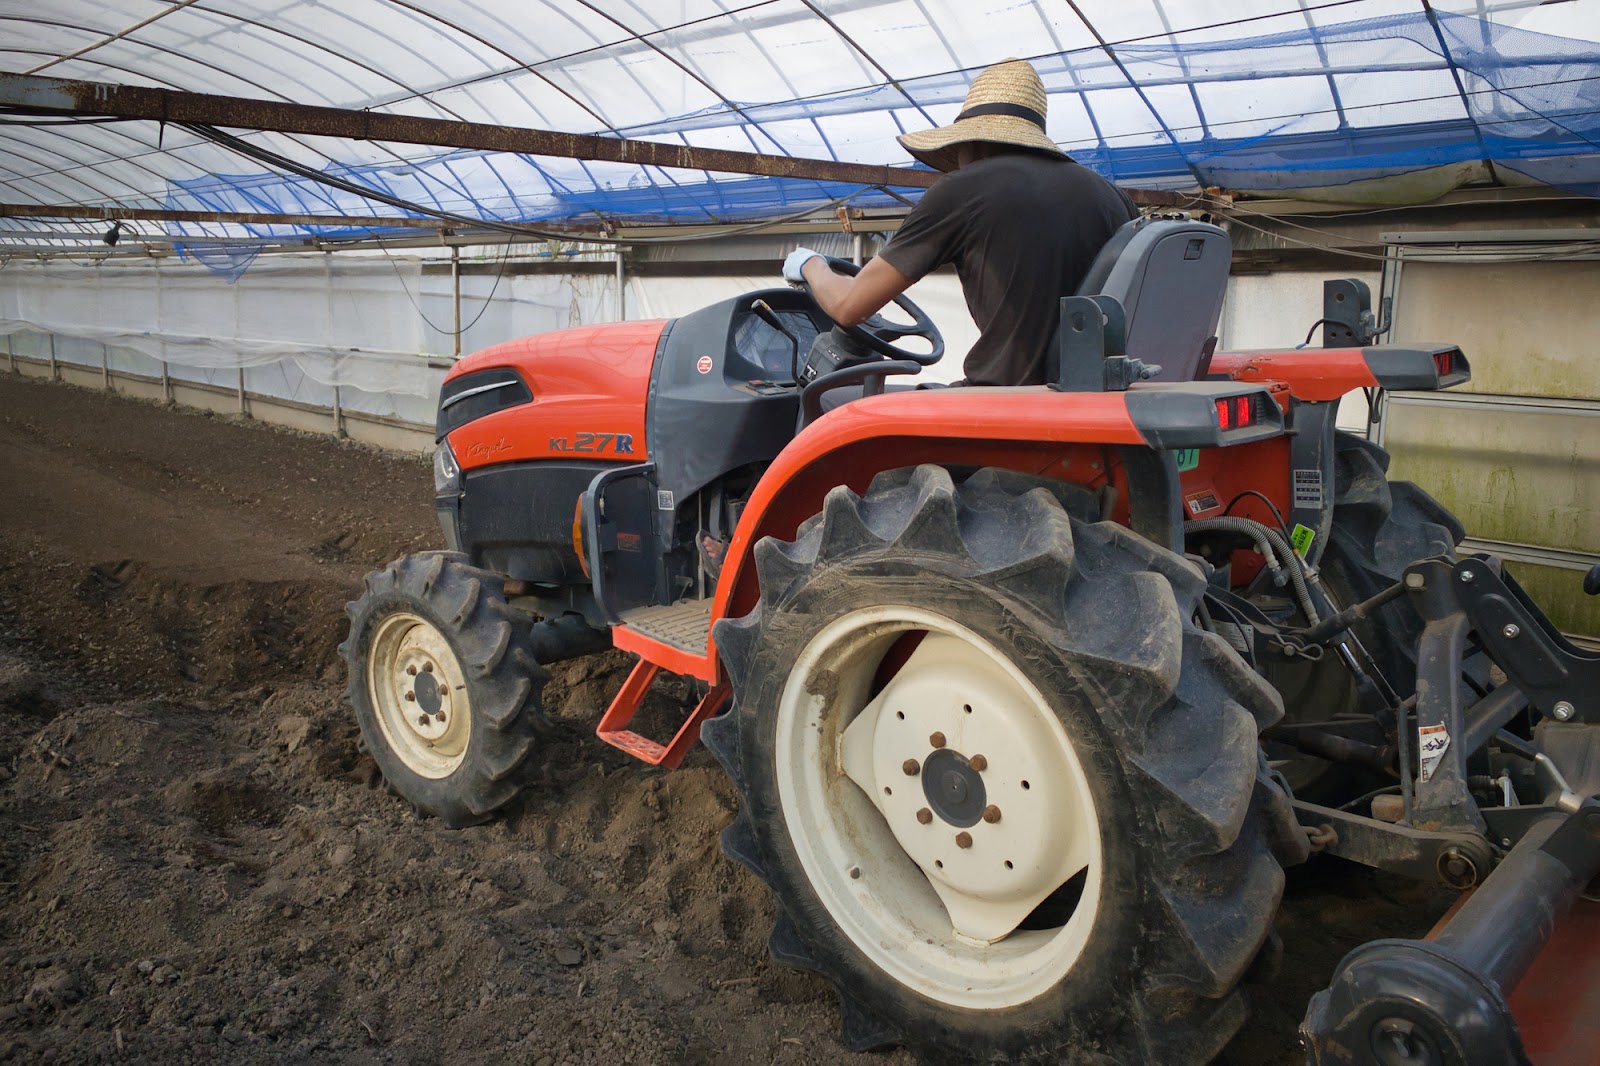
(1240,638)
(664,500)
(1308,489)
(1432,740)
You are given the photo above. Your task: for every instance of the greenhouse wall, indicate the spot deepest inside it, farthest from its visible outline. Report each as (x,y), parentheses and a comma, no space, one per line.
(358,343)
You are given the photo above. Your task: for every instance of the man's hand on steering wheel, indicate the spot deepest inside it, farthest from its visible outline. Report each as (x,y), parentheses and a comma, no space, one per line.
(792,266)
(835,281)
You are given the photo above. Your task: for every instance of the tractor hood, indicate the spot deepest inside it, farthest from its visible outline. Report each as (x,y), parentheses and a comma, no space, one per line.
(697,396)
(558,395)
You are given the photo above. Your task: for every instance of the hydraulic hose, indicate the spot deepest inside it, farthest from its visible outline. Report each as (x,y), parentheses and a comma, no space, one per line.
(1273,548)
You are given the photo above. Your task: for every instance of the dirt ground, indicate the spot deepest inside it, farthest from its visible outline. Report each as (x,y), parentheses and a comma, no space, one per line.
(197,864)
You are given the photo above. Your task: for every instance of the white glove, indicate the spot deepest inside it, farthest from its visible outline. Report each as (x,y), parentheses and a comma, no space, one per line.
(791,266)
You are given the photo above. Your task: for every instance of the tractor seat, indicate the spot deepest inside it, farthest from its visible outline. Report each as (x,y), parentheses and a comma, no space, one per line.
(1178,268)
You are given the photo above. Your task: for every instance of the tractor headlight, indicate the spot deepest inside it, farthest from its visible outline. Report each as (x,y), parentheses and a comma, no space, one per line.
(446,471)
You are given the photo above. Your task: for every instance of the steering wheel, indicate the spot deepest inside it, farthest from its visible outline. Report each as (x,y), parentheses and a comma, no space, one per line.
(879,334)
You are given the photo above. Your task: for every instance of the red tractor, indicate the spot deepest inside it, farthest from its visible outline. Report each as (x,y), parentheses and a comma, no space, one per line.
(1029,694)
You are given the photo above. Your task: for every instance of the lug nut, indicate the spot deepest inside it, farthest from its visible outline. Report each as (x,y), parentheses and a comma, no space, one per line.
(427,668)
(1563,711)
(925,816)
(978,763)
(963,839)
(1511,629)
(411,697)
(422,719)
(937,740)
(412,669)
(991,814)
(911,767)
(440,716)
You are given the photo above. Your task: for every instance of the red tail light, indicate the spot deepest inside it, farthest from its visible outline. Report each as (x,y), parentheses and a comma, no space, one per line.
(1443,362)
(1236,412)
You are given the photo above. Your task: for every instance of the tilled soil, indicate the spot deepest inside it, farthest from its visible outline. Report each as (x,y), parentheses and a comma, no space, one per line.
(198,865)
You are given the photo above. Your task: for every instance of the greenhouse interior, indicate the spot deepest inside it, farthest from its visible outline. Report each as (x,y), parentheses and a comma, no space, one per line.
(259,265)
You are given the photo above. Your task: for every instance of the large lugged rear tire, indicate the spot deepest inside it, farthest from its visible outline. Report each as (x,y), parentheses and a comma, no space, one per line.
(1043,833)
(443,684)
(1380,527)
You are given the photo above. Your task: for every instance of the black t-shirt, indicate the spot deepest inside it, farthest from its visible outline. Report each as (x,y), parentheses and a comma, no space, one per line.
(1022,229)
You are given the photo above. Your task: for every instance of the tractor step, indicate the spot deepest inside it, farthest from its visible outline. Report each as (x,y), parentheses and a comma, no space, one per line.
(685,626)
(675,637)
(613,727)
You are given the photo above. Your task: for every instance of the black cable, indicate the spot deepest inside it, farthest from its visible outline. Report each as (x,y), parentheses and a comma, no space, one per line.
(1276,514)
(1313,329)
(86,121)
(1387,790)
(504,259)
(271,158)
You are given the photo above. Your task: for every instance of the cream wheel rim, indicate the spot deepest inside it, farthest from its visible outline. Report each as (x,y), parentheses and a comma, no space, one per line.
(419,694)
(931,871)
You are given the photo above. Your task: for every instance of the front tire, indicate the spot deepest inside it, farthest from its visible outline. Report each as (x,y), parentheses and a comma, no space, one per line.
(1131,870)
(443,684)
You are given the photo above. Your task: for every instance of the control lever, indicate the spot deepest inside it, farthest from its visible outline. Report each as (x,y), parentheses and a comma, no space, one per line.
(765,312)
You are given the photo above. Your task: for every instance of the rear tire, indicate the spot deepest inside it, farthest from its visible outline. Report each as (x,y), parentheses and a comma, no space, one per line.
(444,685)
(1074,645)
(1380,527)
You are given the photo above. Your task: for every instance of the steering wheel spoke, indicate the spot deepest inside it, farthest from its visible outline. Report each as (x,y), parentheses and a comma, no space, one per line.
(880,334)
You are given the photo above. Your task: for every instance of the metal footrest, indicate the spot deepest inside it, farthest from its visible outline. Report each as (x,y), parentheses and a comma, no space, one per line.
(685,626)
(613,727)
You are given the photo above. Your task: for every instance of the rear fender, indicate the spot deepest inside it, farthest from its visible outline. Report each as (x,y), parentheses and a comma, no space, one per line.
(1121,439)
(1324,374)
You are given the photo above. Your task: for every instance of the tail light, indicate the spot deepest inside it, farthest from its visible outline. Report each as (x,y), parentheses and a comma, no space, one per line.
(1238,412)
(1444,362)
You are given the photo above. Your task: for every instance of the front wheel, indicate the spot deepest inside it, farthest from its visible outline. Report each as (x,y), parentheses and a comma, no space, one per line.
(443,684)
(1010,799)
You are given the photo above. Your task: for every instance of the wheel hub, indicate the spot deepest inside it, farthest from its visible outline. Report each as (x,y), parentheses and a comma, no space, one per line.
(429,696)
(953,788)
(997,822)
(419,693)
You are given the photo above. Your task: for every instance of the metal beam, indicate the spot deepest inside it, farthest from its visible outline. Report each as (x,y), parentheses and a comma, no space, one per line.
(61,96)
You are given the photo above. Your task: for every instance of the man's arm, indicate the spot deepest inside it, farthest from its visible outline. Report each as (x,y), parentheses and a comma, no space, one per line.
(850,301)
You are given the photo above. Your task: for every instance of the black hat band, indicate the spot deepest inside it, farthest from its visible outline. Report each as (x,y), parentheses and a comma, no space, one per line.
(1014,110)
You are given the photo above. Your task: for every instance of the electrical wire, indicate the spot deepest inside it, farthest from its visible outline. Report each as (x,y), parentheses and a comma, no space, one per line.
(1313,329)
(271,158)
(1568,250)
(487,300)
(85,120)
(1276,514)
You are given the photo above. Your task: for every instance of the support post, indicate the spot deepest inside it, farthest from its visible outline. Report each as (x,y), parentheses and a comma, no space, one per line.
(244,409)
(166,382)
(55,371)
(11,352)
(622,288)
(338,415)
(855,249)
(105,368)
(455,291)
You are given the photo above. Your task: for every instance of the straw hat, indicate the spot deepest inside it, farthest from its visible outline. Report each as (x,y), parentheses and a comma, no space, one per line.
(1006,105)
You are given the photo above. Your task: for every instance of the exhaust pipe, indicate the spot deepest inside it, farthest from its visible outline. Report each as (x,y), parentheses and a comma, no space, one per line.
(1443,1002)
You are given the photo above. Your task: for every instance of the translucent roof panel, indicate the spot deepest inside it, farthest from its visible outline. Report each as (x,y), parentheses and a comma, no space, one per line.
(1254,96)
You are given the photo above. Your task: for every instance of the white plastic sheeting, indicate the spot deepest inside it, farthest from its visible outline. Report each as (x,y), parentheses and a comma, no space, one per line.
(336,320)
(300,325)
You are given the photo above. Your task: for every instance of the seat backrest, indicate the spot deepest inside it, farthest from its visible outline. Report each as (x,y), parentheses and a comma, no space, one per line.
(1169,276)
